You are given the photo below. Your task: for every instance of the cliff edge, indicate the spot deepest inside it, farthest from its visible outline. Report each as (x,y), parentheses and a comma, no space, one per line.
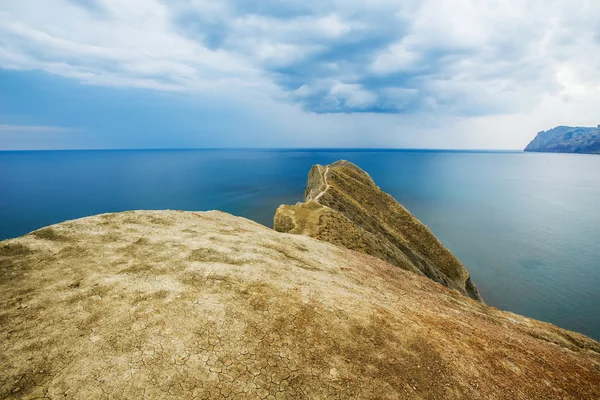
(186,305)
(345,207)
(567,139)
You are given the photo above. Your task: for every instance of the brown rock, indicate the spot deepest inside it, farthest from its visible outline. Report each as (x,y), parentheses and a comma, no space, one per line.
(345,207)
(183,305)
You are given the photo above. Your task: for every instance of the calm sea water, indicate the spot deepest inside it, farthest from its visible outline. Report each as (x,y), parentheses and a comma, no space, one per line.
(527,226)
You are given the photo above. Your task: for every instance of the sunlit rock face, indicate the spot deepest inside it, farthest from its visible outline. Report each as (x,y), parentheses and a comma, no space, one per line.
(185,305)
(345,207)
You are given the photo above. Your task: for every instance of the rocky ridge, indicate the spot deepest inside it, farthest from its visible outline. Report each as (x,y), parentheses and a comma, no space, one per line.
(567,139)
(186,305)
(345,207)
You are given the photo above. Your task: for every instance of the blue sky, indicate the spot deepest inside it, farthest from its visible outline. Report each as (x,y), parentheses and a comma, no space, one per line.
(272,73)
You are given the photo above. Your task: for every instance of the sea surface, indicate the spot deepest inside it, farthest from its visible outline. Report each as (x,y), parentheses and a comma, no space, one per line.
(527,226)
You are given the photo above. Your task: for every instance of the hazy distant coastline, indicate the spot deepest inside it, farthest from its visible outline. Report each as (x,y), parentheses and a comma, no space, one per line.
(567,139)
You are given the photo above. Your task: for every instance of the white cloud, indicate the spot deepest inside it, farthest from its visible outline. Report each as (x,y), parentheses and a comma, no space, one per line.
(303,91)
(353,96)
(127,44)
(396,58)
(25,129)
(465,63)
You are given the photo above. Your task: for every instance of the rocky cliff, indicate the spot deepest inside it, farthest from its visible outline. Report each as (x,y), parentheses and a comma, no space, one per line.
(185,305)
(344,206)
(566,139)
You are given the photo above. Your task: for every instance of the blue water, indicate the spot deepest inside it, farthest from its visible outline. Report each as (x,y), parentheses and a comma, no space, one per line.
(527,226)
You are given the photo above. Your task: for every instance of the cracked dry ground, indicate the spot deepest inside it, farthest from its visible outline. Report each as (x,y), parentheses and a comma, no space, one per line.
(167,304)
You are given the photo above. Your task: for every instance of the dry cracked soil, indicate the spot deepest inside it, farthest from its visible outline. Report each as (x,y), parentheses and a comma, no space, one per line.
(187,305)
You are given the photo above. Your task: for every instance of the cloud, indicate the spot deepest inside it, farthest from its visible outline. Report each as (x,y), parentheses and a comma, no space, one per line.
(28,129)
(90,5)
(463,58)
(396,58)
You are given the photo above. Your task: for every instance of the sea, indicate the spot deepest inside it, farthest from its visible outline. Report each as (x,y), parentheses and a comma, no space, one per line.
(526,225)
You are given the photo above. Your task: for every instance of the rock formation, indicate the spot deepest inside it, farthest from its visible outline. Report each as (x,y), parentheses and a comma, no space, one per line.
(566,139)
(185,305)
(344,206)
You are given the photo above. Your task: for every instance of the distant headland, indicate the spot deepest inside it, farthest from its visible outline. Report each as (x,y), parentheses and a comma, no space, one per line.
(567,139)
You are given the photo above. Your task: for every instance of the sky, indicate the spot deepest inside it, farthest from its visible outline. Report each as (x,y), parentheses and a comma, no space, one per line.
(439,74)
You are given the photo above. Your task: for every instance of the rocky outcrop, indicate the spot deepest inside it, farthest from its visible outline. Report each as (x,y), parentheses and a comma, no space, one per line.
(182,305)
(566,139)
(345,207)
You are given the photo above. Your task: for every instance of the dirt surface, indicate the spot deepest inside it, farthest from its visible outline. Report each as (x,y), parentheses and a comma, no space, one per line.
(345,207)
(183,305)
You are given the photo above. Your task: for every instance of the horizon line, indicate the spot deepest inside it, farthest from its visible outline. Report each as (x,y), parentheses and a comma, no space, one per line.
(273,149)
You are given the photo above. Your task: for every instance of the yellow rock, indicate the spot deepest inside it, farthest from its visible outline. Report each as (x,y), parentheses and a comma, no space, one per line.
(345,207)
(207,305)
